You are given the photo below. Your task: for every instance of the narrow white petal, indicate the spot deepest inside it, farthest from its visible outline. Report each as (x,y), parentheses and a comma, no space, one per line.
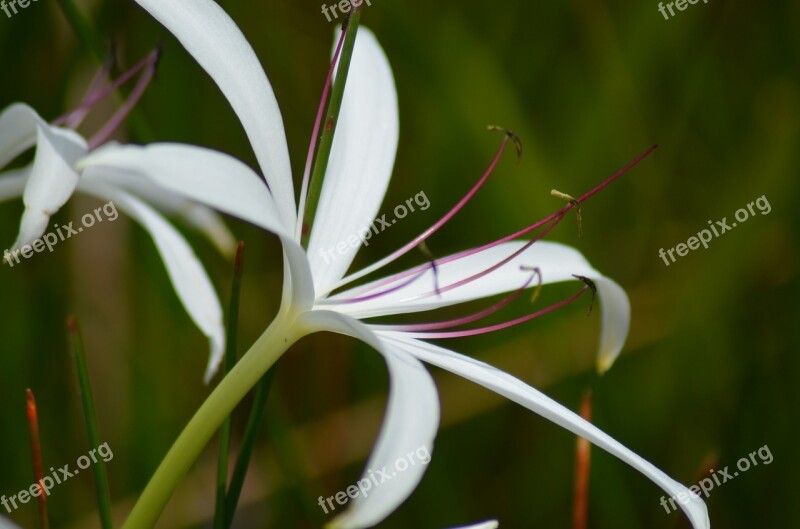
(52,180)
(202,175)
(489,524)
(12,183)
(362,158)
(298,283)
(17,131)
(201,217)
(219,46)
(523,394)
(185,270)
(557,263)
(405,443)
(216,180)
(5,523)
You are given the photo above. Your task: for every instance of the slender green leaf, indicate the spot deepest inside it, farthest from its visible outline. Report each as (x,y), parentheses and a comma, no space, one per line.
(99,467)
(230,361)
(323,154)
(248,442)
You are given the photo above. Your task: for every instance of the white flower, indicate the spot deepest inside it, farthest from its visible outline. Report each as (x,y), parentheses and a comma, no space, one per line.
(48,183)
(358,175)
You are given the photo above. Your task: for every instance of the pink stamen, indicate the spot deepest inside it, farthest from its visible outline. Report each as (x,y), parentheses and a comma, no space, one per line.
(123,112)
(433,229)
(497,327)
(377,295)
(315,136)
(472,317)
(557,216)
(77,116)
(99,95)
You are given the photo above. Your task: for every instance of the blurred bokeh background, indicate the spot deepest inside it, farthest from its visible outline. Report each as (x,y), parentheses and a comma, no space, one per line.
(710,372)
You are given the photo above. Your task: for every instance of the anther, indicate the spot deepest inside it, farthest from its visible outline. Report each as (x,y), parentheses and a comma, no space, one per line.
(423,247)
(575,204)
(537,272)
(592,286)
(511,135)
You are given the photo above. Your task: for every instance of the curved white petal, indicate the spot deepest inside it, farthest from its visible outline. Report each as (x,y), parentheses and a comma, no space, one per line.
(12,183)
(188,277)
(298,283)
(198,174)
(208,222)
(361,162)
(203,218)
(557,263)
(489,524)
(52,179)
(212,178)
(5,523)
(523,394)
(17,131)
(217,44)
(405,443)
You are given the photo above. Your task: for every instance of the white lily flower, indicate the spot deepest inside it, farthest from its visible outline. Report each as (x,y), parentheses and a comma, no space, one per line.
(357,177)
(48,183)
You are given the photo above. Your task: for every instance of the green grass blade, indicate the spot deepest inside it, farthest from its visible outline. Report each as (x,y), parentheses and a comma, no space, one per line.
(230,361)
(331,119)
(248,442)
(99,468)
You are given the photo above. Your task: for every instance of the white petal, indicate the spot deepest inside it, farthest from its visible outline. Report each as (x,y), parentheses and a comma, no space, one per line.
(298,283)
(201,217)
(557,263)
(12,183)
(5,523)
(214,179)
(17,131)
(208,222)
(489,524)
(360,167)
(52,180)
(188,277)
(217,44)
(408,432)
(198,174)
(523,394)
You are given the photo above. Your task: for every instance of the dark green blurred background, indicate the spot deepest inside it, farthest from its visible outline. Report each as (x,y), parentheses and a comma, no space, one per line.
(710,372)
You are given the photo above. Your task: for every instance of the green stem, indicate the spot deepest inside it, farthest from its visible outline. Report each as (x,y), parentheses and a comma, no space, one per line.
(331,119)
(278,337)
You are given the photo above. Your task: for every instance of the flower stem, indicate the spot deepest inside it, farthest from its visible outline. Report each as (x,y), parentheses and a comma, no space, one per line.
(278,337)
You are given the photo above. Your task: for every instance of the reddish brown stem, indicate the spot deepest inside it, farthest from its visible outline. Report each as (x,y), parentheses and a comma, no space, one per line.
(583,451)
(36,454)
